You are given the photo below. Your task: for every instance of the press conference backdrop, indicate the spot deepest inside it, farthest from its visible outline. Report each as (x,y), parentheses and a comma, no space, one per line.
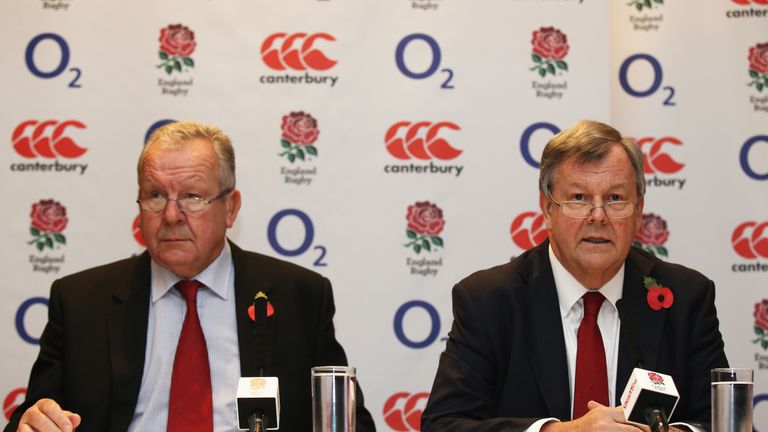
(392,146)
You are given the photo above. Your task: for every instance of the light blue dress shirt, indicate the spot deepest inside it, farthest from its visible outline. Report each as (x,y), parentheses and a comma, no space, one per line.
(216,308)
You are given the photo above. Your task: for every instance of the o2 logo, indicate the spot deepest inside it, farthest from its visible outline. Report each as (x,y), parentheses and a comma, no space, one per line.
(405,416)
(658,76)
(744,157)
(654,160)
(434,324)
(434,64)
(156,125)
(525,141)
(29,58)
(756,400)
(309,236)
(12,401)
(21,314)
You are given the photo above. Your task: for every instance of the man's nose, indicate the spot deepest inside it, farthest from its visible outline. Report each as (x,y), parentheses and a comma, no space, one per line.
(597,215)
(172,212)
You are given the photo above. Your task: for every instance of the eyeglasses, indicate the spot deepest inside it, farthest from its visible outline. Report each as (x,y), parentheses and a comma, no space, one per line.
(190,204)
(582,209)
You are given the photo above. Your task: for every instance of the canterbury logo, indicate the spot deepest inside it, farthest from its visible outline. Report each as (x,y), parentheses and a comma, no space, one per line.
(290,56)
(528,230)
(750,240)
(402,411)
(747,2)
(406,140)
(654,159)
(46,139)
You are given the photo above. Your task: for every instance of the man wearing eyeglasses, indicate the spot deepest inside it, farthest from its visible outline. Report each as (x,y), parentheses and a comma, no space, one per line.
(158,342)
(537,344)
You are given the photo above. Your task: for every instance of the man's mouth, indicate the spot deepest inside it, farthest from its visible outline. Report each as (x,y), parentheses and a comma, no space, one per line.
(173,239)
(596,240)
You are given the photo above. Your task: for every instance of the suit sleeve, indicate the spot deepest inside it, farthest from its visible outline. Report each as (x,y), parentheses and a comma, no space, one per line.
(330,352)
(465,391)
(47,377)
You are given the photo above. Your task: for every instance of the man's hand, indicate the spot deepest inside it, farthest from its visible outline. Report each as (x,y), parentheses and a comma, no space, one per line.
(599,418)
(47,416)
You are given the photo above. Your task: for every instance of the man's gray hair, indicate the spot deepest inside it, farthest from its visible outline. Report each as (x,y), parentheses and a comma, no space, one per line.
(587,141)
(174,135)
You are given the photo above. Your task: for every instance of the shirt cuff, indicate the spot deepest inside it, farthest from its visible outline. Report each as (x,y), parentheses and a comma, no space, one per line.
(536,426)
(691,427)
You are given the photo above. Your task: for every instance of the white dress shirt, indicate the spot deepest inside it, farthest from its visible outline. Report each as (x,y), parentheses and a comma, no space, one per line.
(569,293)
(216,308)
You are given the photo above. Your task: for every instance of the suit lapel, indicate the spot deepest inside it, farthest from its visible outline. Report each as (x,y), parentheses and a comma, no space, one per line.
(634,296)
(545,332)
(248,282)
(127,329)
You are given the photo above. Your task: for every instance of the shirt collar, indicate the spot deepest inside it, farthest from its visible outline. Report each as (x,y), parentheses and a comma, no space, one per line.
(215,277)
(570,290)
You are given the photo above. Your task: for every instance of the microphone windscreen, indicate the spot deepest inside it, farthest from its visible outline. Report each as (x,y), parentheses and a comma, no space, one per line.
(646,389)
(258,395)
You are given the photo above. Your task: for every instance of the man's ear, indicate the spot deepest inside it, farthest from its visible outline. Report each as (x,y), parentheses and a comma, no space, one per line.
(233,207)
(639,214)
(545,204)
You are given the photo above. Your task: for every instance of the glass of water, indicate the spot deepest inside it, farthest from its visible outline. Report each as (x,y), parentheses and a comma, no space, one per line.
(333,399)
(732,400)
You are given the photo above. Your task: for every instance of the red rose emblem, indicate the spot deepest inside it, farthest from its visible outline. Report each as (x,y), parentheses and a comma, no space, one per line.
(656,378)
(300,128)
(653,230)
(178,40)
(660,297)
(49,216)
(550,43)
(761,315)
(758,58)
(425,218)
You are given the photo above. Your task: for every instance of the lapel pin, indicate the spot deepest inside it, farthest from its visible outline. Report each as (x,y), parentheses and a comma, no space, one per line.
(252,310)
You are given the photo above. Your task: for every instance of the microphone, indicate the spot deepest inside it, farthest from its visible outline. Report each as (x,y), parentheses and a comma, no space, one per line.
(650,399)
(628,328)
(259,312)
(258,404)
(256,422)
(647,399)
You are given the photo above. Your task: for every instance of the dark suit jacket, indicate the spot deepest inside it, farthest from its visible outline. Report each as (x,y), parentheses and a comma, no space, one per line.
(505,363)
(92,350)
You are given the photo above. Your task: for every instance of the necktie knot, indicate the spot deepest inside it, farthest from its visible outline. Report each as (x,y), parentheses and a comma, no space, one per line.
(188,289)
(592,302)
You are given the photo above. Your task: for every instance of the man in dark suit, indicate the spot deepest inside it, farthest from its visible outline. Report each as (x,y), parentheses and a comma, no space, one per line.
(108,355)
(514,359)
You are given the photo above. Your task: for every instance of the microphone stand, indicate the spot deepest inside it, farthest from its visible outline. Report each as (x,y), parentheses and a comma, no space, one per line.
(257,422)
(656,419)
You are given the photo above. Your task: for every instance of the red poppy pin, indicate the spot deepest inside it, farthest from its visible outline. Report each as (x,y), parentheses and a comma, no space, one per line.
(252,310)
(658,296)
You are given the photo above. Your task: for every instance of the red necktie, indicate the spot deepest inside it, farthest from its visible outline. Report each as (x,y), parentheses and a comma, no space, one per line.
(591,372)
(190,405)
